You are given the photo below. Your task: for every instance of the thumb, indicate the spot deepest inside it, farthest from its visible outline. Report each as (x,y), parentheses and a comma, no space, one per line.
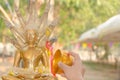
(62,66)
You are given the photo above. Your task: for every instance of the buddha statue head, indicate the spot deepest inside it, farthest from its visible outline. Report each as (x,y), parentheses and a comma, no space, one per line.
(31,36)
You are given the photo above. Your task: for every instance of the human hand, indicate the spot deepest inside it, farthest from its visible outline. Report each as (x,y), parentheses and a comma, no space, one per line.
(74,72)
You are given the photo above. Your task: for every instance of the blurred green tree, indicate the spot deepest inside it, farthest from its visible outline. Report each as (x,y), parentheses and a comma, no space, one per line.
(77,16)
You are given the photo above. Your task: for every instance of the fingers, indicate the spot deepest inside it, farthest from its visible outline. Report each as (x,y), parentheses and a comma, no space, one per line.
(76,57)
(74,54)
(62,66)
(63,75)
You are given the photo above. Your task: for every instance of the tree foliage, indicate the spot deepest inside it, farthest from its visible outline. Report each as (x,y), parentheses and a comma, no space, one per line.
(78,16)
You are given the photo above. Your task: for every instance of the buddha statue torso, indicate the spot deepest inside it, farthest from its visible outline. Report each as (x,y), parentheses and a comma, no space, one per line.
(31,58)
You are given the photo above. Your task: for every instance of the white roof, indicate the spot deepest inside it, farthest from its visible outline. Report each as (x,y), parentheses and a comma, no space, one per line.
(91,34)
(107,32)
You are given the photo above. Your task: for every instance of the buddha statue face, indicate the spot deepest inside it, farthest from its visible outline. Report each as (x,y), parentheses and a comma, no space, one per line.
(31,36)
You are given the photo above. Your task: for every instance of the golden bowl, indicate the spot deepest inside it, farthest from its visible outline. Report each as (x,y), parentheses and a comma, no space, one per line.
(60,57)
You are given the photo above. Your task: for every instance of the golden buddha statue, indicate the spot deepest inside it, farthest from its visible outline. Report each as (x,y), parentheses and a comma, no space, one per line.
(32,56)
(34,61)
(31,32)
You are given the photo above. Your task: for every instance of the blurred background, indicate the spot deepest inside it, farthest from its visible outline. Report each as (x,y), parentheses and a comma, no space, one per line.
(75,17)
